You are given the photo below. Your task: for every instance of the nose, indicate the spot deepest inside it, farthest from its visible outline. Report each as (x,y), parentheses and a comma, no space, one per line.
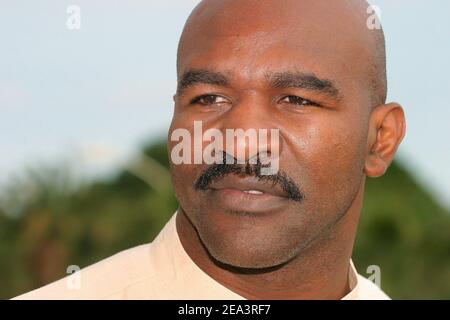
(250,131)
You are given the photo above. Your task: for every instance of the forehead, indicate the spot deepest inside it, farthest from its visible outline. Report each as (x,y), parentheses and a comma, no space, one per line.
(313,40)
(250,58)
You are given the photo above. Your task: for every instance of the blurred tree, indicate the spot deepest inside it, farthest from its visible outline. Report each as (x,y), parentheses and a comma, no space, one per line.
(406,233)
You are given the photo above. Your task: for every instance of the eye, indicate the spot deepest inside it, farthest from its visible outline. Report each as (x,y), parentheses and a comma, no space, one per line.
(209,99)
(296,100)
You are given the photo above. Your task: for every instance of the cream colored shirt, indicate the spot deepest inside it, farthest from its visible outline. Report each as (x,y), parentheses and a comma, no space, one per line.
(161,270)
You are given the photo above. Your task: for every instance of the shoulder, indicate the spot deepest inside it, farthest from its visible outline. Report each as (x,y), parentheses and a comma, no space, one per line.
(102,280)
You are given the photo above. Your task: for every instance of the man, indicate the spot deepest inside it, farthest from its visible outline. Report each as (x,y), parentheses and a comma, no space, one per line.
(315,72)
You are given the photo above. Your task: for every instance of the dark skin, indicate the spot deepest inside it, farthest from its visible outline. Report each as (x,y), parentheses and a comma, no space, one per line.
(307,69)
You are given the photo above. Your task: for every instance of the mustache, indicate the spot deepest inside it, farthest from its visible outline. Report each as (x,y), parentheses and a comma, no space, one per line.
(215,172)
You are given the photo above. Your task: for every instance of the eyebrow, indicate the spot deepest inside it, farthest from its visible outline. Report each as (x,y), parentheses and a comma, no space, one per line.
(277,80)
(200,76)
(302,80)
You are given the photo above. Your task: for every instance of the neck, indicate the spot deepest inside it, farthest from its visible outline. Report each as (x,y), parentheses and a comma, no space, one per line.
(320,271)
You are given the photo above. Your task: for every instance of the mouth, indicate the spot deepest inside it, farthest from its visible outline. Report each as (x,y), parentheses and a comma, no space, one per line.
(246,194)
(255,192)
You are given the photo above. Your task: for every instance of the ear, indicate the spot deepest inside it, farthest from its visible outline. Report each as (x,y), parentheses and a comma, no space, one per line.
(386,131)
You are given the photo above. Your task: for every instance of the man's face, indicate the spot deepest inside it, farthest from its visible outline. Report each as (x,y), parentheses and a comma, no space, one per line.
(299,78)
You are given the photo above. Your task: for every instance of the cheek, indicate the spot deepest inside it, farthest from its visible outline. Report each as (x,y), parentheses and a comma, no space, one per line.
(183,177)
(339,149)
(332,158)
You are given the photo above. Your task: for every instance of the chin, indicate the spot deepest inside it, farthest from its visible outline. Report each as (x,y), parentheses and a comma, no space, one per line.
(248,241)
(246,251)
(249,262)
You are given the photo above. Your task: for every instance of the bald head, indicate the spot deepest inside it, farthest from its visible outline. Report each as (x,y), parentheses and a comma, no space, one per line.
(333,34)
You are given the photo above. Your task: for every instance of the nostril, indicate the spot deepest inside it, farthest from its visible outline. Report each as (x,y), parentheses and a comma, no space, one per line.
(229,159)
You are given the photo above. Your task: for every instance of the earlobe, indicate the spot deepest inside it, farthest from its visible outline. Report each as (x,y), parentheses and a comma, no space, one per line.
(386,131)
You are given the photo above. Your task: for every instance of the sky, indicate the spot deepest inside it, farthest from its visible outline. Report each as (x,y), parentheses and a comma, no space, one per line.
(92,97)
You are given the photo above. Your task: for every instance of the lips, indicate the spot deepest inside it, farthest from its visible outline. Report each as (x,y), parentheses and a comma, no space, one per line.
(248,185)
(237,194)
